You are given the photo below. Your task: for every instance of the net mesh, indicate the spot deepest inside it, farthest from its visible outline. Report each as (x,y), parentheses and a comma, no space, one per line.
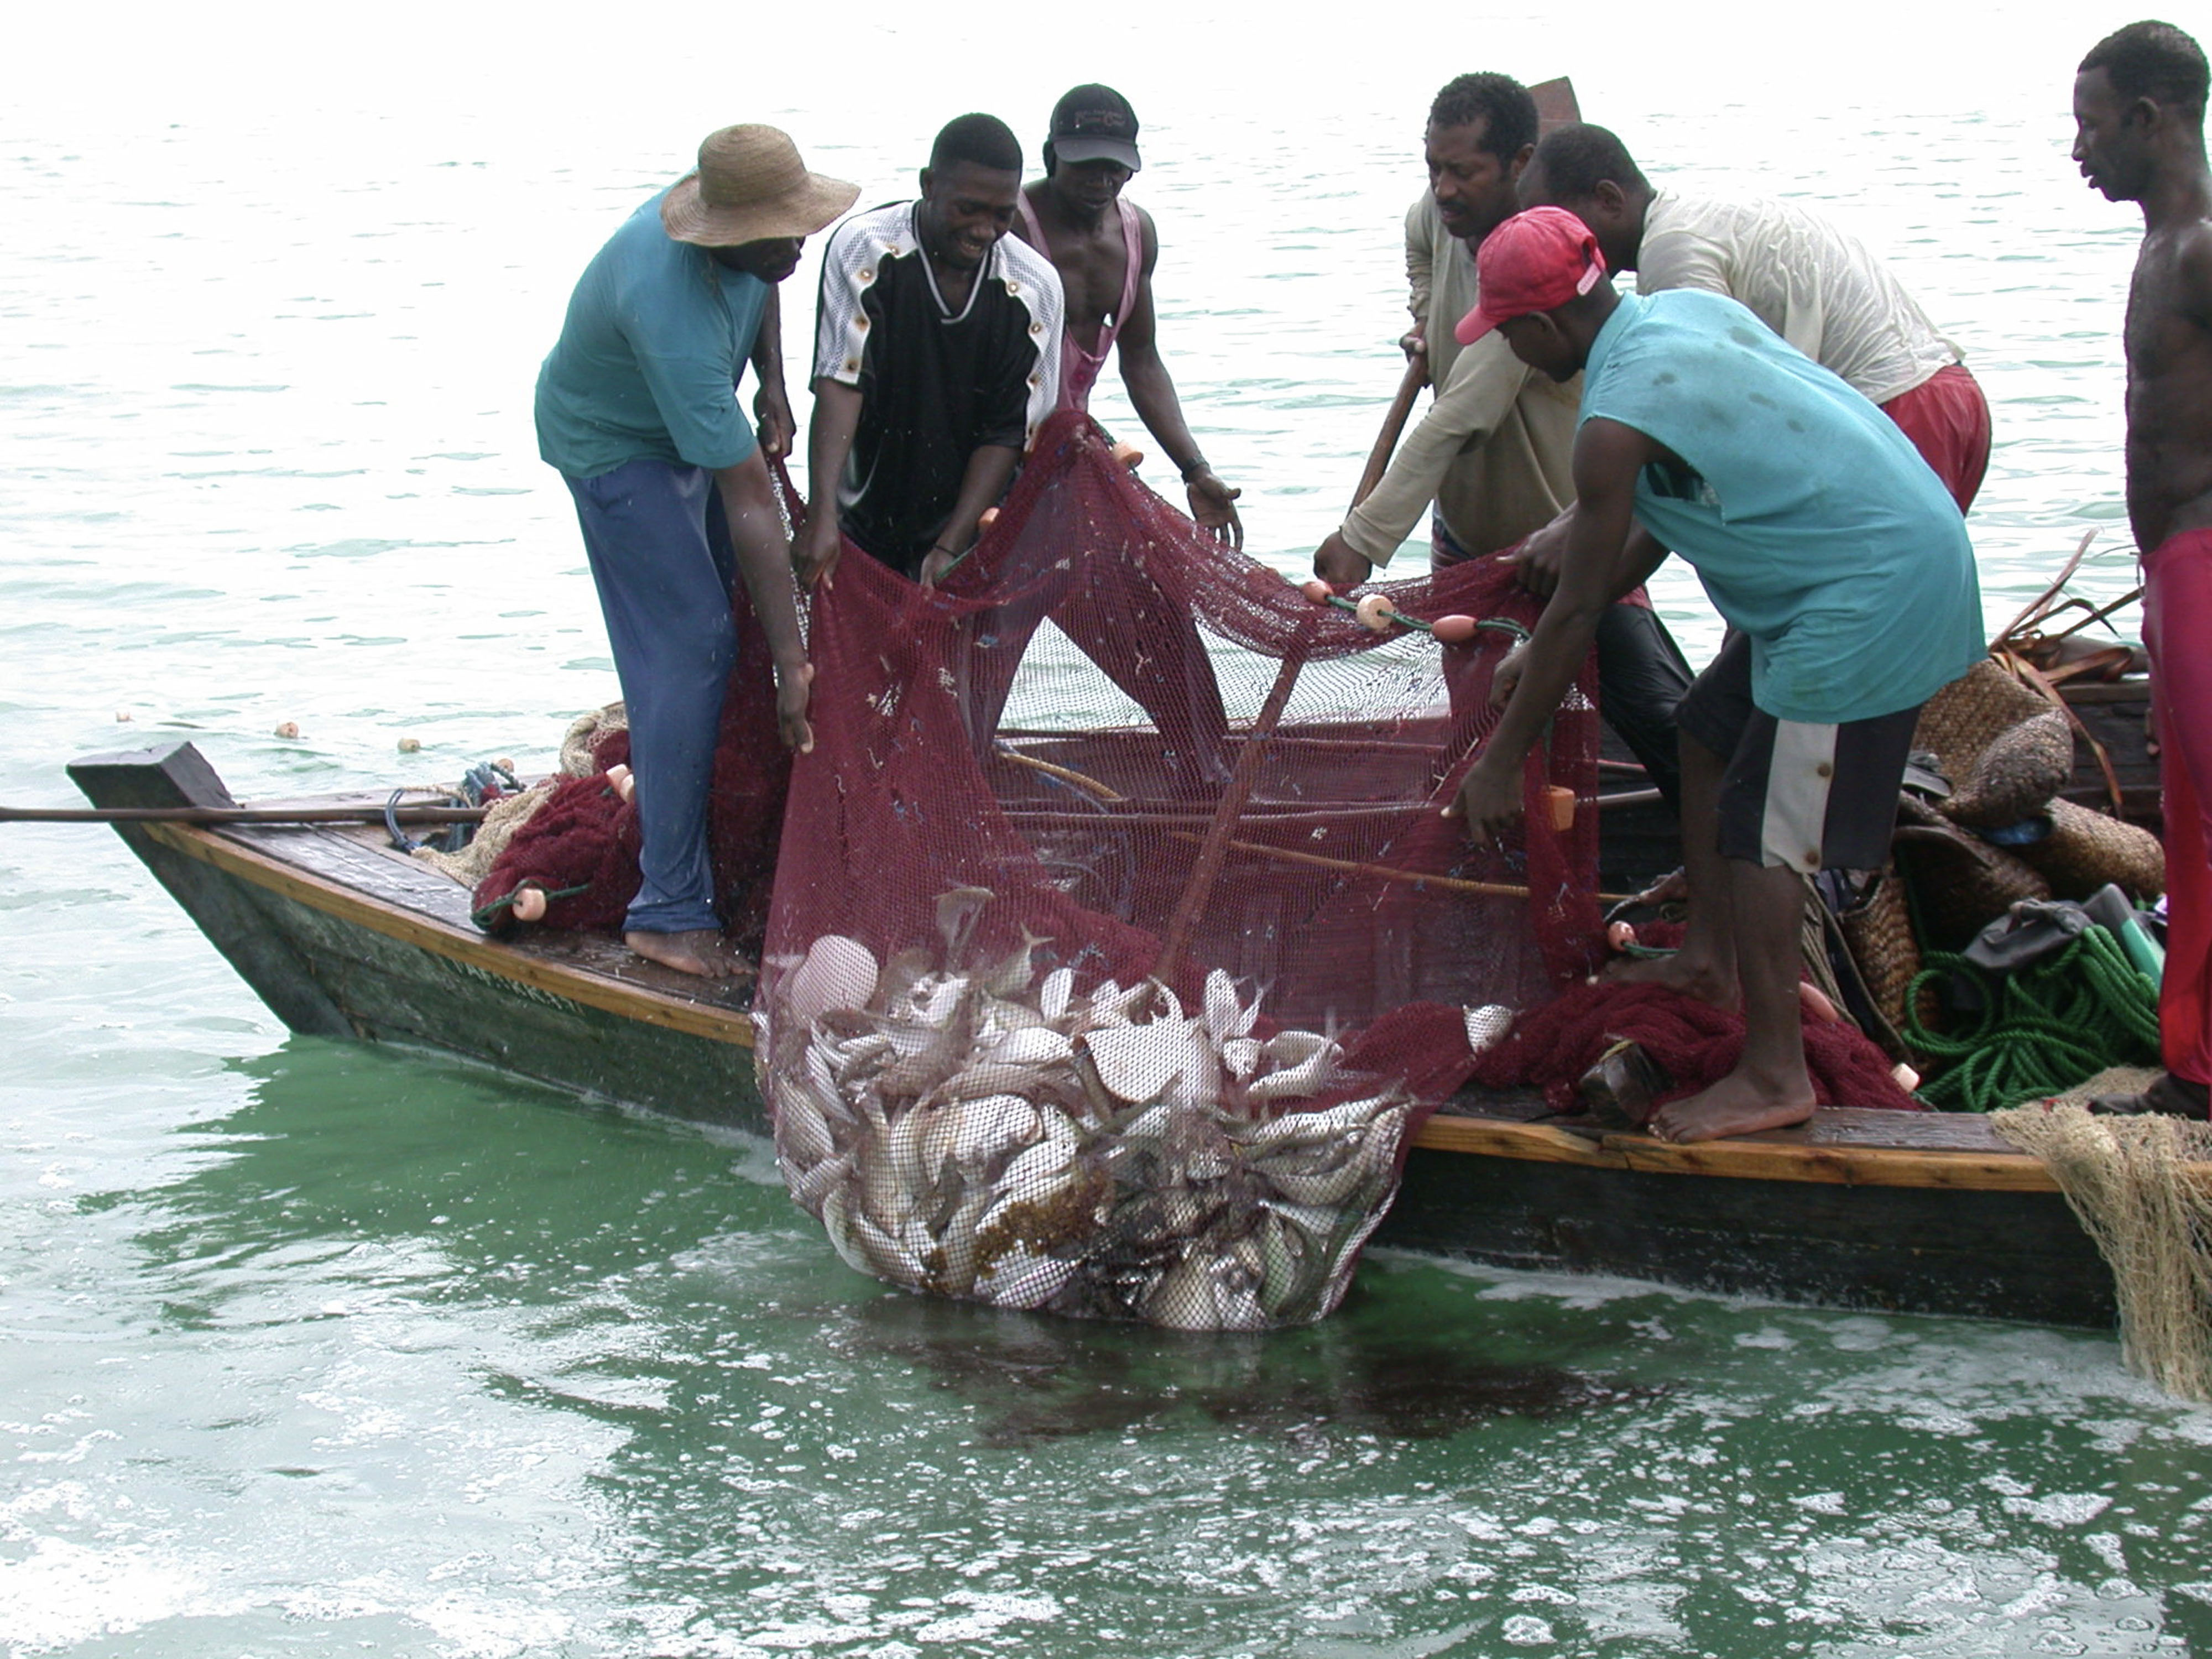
(2142,1189)
(1118,945)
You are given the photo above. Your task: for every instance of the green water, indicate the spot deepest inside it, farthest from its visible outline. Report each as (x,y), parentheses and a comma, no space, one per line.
(308,1348)
(387,1356)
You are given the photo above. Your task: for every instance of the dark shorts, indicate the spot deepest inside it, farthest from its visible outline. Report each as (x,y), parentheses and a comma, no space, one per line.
(1810,797)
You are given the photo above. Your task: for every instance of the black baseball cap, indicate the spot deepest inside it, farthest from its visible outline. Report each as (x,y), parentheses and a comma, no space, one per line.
(1095,123)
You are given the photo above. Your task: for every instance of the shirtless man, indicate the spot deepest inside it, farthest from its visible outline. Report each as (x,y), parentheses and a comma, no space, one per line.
(1105,250)
(2139,136)
(1839,559)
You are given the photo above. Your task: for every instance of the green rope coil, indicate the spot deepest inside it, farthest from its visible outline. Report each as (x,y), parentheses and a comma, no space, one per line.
(2042,1029)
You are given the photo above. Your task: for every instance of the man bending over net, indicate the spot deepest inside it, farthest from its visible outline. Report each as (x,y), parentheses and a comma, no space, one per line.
(1839,559)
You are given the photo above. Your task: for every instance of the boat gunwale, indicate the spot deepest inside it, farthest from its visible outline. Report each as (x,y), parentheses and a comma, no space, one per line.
(1451,1133)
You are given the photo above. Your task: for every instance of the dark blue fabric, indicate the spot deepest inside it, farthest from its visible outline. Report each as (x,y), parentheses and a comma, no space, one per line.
(661,558)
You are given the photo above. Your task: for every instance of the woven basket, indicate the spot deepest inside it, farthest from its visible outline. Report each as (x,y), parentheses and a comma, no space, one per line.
(1963,884)
(1878,932)
(2005,750)
(2085,849)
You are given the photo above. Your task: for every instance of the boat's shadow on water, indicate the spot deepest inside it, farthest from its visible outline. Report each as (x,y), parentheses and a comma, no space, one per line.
(1033,1378)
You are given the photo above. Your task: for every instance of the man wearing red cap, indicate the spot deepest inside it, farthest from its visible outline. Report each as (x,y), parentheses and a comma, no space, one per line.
(1839,561)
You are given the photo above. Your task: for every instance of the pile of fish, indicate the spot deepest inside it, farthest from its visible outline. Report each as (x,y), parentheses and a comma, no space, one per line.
(990,1134)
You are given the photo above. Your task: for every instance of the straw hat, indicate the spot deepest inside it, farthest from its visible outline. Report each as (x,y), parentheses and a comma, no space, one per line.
(752,185)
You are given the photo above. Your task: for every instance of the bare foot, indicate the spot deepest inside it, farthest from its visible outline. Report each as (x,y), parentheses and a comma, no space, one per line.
(700,952)
(1693,977)
(1737,1105)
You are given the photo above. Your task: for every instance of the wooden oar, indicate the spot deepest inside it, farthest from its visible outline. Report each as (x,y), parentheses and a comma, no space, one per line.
(238,814)
(1556,104)
(1393,424)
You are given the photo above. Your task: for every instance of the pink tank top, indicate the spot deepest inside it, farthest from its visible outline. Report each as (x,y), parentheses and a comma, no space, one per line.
(1080,366)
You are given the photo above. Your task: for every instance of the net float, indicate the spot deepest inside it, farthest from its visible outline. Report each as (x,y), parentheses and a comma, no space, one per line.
(122,714)
(1453,630)
(1129,455)
(990,516)
(505,762)
(410,745)
(1316,590)
(1817,1005)
(288,729)
(529,903)
(1374,611)
(1618,936)
(1563,806)
(620,781)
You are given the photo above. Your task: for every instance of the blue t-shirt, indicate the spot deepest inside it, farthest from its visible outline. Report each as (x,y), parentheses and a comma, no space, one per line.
(647,362)
(1814,525)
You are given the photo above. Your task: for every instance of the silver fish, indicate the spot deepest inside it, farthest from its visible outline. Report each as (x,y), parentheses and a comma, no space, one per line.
(957,912)
(1054,994)
(1486,1026)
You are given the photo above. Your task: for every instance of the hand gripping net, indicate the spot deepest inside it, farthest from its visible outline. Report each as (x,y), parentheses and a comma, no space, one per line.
(1112,964)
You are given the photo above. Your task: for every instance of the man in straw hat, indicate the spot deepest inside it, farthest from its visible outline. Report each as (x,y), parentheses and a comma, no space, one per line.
(1838,557)
(637,407)
(2139,136)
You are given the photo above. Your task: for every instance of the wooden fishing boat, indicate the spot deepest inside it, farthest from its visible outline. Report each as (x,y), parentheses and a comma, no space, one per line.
(341,936)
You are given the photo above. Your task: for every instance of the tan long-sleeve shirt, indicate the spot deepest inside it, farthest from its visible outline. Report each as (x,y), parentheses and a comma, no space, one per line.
(1495,452)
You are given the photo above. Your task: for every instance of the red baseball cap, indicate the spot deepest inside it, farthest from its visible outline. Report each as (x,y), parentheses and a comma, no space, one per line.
(1535,261)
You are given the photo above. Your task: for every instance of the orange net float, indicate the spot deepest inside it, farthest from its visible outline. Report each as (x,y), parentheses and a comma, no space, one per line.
(1563,806)
(1129,455)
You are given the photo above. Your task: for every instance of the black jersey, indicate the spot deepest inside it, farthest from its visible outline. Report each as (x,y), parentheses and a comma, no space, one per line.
(936,384)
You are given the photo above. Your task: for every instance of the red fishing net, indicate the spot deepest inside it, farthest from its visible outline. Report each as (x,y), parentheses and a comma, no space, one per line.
(580,848)
(1118,943)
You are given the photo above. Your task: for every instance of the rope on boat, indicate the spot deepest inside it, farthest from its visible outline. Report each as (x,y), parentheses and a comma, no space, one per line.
(2042,1029)
(483,914)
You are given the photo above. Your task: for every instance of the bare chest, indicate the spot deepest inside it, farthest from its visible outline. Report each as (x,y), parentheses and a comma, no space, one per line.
(2163,341)
(1093,269)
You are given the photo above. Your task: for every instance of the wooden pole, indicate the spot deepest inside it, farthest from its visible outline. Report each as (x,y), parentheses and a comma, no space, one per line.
(1199,887)
(1384,871)
(238,814)
(1393,423)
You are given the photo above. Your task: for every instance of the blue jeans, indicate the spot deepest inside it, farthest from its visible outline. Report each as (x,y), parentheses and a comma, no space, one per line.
(661,558)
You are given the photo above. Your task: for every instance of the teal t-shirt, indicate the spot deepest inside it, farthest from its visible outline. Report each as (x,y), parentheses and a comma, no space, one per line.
(1814,525)
(647,362)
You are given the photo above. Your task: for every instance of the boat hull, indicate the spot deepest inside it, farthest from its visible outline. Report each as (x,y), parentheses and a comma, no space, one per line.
(1894,1212)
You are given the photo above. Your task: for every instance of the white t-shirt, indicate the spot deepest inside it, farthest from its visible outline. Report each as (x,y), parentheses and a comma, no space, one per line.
(1815,285)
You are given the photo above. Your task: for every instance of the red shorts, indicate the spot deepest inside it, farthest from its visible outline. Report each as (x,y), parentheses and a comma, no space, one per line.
(1948,419)
(2177,622)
